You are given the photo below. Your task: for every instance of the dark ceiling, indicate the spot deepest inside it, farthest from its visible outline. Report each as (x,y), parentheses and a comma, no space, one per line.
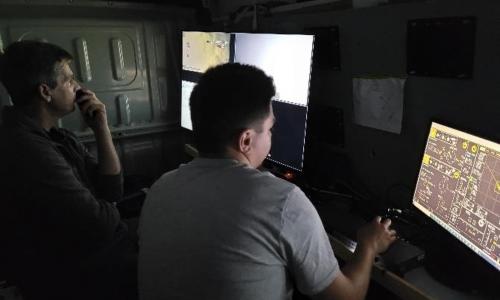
(183,3)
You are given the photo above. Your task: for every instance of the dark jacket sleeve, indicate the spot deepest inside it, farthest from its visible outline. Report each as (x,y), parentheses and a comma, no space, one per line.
(107,187)
(65,205)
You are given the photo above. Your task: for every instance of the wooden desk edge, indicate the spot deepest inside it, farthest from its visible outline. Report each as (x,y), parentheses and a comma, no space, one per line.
(386,278)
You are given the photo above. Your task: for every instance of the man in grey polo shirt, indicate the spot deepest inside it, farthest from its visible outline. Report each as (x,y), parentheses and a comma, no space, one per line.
(219,228)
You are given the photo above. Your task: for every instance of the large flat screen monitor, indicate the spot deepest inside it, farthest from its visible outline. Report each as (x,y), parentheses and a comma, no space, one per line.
(285,57)
(459,187)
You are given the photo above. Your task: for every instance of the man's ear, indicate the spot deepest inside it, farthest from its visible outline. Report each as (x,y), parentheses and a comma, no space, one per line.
(245,140)
(44,91)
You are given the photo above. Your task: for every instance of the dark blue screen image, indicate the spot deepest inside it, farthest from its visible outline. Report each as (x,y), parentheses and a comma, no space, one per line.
(288,134)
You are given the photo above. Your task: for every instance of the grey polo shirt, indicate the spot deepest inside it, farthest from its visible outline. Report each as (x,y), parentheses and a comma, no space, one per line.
(217,229)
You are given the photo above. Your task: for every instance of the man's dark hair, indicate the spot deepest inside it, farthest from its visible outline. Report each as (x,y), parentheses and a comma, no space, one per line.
(27,64)
(228,99)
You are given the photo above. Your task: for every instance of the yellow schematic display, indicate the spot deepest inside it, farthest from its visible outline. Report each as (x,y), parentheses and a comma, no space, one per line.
(202,50)
(459,187)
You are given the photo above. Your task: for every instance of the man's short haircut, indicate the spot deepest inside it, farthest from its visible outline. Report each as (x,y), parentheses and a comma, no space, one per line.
(228,99)
(27,64)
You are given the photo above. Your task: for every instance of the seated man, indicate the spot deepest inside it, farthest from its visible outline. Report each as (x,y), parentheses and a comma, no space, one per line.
(219,228)
(62,237)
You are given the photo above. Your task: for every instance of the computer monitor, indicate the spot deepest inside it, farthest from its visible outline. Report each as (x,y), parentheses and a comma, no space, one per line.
(285,57)
(458,186)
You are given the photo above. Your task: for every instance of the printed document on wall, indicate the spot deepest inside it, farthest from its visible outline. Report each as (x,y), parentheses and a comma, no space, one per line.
(378,102)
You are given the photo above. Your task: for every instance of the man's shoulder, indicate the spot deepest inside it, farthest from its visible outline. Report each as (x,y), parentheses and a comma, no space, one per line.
(262,183)
(65,132)
(166,176)
(269,179)
(232,174)
(24,145)
(21,138)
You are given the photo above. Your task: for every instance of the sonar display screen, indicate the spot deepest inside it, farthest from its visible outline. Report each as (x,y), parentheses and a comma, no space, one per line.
(459,187)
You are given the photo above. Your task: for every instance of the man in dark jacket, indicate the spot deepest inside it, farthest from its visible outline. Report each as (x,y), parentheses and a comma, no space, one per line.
(62,237)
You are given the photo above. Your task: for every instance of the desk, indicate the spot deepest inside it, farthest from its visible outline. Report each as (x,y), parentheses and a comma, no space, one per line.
(385,278)
(417,284)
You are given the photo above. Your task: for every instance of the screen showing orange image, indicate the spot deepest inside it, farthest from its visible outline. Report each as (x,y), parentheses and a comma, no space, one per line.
(202,50)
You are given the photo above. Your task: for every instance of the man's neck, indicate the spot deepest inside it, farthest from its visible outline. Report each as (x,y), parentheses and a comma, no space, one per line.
(41,116)
(48,124)
(237,155)
(45,118)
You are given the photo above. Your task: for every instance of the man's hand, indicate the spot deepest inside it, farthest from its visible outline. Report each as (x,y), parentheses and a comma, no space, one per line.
(92,109)
(352,283)
(94,114)
(377,235)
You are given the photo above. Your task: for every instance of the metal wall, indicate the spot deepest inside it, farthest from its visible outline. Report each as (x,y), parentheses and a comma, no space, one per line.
(128,55)
(373,42)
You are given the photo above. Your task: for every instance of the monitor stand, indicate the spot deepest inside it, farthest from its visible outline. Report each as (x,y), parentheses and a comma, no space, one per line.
(456,266)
